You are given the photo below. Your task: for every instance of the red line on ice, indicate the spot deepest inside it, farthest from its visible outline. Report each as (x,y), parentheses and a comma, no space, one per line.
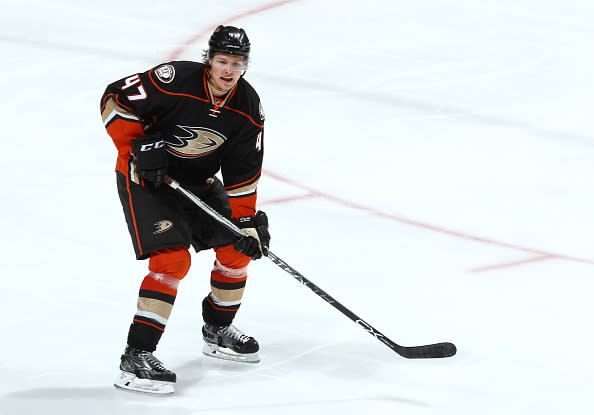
(512,264)
(542,255)
(207,31)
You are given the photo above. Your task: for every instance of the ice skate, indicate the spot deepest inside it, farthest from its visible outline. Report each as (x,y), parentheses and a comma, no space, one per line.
(143,372)
(229,343)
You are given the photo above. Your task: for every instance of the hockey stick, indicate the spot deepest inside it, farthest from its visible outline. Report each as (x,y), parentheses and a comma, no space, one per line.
(429,351)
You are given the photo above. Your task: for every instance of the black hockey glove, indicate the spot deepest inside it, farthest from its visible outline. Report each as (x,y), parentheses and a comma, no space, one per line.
(258,240)
(151,158)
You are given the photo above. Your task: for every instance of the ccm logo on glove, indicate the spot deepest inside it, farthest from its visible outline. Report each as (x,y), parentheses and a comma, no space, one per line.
(151,146)
(151,158)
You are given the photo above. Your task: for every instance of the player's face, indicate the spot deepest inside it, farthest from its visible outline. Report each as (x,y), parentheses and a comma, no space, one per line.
(225,70)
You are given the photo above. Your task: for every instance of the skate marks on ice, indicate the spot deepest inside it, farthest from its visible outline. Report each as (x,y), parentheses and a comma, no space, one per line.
(328,374)
(352,369)
(430,110)
(45,44)
(98,400)
(298,406)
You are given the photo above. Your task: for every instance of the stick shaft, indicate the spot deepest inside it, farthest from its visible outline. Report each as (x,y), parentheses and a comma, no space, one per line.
(437,350)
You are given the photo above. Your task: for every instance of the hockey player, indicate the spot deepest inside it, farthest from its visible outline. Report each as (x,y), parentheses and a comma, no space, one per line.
(188,120)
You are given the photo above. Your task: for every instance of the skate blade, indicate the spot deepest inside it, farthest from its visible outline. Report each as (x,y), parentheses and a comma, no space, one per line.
(217,352)
(129,381)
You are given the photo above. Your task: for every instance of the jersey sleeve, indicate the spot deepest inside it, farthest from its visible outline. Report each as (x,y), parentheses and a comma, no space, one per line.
(242,166)
(128,107)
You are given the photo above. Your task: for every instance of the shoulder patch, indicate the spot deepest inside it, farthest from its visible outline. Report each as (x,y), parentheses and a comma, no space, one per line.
(165,73)
(262,116)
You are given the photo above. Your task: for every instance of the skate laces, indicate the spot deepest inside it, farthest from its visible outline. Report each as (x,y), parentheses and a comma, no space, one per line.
(154,362)
(235,333)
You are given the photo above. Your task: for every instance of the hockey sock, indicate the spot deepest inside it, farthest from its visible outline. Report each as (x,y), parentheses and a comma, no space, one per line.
(227,285)
(156,297)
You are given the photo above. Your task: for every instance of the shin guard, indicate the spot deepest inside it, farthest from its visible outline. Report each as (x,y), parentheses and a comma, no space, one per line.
(156,297)
(227,283)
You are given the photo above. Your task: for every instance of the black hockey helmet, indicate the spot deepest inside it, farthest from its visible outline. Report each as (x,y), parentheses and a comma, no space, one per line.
(229,39)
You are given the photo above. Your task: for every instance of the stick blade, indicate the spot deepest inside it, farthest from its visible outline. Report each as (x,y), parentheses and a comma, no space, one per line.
(429,351)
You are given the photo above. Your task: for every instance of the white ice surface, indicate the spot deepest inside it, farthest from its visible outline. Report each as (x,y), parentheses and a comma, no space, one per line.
(449,146)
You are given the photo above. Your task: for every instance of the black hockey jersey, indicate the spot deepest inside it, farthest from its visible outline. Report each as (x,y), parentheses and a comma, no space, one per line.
(203,134)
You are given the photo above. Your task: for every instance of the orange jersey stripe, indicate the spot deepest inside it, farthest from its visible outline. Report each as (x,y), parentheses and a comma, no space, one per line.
(246,182)
(243,206)
(123,131)
(245,115)
(174,93)
(133,215)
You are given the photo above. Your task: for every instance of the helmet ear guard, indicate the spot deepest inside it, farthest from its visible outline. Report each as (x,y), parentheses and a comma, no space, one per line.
(230,40)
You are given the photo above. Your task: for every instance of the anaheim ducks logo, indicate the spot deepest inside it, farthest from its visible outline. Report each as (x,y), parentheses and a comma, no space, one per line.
(198,142)
(165,73)
(162,226)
